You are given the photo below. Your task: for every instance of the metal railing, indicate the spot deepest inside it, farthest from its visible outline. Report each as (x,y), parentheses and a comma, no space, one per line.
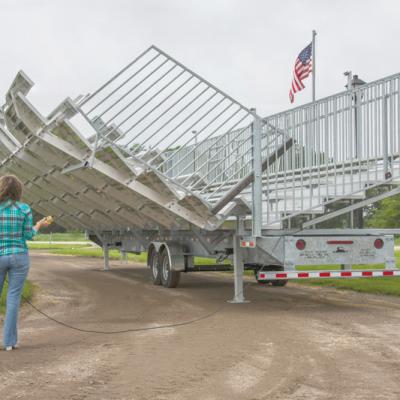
(344,144)
(174,122)
(223,159)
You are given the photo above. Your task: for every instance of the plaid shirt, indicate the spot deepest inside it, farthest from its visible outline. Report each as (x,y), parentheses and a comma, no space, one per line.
(16,226)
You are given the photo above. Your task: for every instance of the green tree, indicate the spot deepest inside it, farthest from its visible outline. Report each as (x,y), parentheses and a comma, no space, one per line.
(384,214)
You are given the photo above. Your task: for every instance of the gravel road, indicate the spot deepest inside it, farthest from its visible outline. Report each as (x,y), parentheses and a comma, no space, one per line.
(287,343)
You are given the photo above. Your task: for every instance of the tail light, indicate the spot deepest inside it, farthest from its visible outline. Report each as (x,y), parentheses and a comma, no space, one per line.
(300,244)
(378,243)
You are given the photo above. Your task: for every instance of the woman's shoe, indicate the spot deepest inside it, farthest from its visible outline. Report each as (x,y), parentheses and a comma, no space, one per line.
(8,348)
(15,347)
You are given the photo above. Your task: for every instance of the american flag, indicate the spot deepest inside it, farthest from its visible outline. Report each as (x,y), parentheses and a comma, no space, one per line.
(302,68)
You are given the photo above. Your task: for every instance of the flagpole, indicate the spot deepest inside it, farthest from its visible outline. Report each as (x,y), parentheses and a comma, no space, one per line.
(314,33)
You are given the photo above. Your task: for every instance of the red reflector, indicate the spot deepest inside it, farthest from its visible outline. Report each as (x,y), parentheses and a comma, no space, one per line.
(281,275)
(340,242)
(388,273)
(303,274)
(378,243)
(300,244)
(366,273)
(324,274)
(345,273)
(261,276)
(247,243)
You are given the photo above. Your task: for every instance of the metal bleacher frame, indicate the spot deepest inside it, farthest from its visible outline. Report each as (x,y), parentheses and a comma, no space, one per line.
(160,160)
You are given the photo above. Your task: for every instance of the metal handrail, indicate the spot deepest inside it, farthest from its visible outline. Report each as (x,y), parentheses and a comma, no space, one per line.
(359,128)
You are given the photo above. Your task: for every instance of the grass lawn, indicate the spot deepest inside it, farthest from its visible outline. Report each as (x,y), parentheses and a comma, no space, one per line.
(387,285)
(82,250)
(97,252)
(49,246)
(57,246)
(61,237)
(27,294)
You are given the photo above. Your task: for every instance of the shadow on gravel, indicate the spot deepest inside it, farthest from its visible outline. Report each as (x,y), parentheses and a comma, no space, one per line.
(203,289)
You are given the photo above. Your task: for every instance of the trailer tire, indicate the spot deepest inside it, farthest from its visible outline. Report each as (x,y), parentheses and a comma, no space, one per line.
(280,282)
(169,277)
(153,262)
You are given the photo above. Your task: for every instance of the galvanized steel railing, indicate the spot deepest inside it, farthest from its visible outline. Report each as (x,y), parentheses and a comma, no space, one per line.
(220,161)
(166,116)
(344,144)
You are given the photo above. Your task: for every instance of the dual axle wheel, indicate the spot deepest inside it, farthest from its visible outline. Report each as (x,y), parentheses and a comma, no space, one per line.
(163,274)
(161,269)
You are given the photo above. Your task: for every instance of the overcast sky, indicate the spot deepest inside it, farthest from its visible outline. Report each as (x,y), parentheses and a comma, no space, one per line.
(245,47)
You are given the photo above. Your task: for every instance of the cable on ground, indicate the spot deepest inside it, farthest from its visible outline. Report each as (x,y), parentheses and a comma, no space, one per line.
(166,326)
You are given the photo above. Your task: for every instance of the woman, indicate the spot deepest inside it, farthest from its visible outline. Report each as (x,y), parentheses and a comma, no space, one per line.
(16,227)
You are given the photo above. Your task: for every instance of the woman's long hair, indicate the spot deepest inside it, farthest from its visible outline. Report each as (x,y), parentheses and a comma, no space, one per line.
(10,188)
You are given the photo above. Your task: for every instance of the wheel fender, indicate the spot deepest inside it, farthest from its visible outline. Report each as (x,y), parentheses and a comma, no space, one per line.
(175,255)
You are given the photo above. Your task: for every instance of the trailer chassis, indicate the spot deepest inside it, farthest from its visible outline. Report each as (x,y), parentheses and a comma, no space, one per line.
(274,256)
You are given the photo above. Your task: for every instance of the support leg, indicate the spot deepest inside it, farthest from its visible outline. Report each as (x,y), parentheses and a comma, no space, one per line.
(124,257)
(106,257)
(238,271)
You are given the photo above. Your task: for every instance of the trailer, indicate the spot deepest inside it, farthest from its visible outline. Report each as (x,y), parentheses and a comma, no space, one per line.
(159,160)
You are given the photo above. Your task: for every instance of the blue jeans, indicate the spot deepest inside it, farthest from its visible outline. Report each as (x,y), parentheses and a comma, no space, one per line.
(16,267)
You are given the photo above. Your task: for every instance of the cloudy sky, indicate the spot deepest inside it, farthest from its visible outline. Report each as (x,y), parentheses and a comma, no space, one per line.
(245,47)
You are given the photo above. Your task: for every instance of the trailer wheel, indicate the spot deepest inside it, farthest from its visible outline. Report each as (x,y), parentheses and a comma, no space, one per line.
(169,277)
(280,282)
(154,267)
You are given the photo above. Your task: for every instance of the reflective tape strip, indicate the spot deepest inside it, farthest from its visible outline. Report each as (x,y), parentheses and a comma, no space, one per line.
(327,274)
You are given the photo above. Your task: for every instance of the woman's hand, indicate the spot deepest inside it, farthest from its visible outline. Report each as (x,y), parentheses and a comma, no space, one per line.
(43,223)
